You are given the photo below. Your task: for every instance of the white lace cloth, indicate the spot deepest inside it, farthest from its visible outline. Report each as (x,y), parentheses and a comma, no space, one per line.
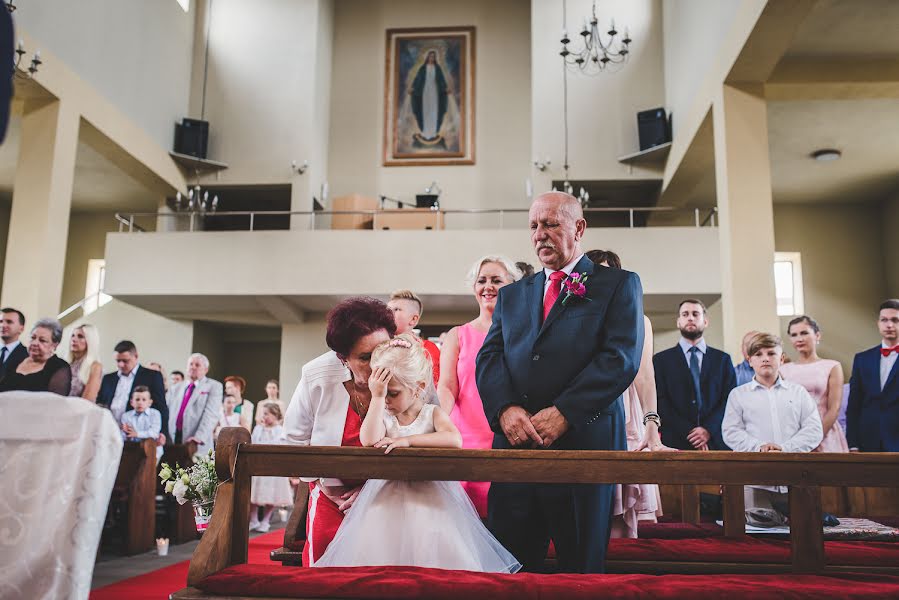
(58,462)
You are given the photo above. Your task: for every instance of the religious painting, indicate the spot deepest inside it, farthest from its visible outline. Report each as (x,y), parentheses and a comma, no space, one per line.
(429,97)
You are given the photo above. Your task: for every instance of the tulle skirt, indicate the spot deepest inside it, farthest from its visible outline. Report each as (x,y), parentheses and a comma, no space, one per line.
(416,523)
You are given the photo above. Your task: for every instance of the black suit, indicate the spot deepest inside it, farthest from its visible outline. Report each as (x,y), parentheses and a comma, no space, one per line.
(14,359)
(148,377)
(676,397)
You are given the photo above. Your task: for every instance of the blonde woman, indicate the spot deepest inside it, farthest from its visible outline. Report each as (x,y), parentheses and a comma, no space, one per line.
(457,389)
(87,371)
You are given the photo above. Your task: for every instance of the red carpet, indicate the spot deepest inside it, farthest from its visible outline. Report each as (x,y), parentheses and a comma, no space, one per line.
(158,584)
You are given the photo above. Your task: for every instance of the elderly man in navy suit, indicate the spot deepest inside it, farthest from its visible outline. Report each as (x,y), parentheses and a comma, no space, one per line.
(564,345)
(872,413)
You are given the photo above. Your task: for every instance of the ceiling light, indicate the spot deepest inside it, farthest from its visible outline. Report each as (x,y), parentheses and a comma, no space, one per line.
(826,155)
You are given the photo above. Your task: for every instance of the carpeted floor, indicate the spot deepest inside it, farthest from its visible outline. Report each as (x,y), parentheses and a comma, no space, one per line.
(158,584)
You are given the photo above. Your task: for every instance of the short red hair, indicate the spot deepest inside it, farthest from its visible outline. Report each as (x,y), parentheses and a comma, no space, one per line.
(355,318)
(238,381)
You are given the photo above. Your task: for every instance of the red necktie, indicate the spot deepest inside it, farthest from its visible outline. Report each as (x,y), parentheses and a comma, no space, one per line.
(552,294)
(179,421)
(887,351)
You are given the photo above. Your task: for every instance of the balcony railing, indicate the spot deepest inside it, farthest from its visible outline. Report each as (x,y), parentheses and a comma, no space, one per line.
(497,217)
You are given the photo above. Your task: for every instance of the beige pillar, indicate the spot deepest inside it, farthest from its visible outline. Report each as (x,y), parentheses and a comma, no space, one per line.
(42,199)
(746,216)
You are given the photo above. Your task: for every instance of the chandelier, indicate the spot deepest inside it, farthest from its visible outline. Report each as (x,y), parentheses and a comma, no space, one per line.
(595,56)
(36,61)
(197,200)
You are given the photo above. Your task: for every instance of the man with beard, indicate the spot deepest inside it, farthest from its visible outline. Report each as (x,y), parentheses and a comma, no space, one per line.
(693,381)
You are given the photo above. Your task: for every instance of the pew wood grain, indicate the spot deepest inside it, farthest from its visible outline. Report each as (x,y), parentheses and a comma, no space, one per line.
(806,529)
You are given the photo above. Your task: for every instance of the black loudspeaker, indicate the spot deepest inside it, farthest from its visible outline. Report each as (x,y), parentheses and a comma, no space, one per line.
(426,200)
(653,128)
(191,137)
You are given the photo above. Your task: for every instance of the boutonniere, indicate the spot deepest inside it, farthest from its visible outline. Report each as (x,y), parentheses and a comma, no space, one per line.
(575,286)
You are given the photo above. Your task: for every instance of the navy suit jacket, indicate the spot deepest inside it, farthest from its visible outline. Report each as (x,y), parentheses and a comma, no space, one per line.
(14,359)
(148,377)
(872,414)
(581,359)
(676,398)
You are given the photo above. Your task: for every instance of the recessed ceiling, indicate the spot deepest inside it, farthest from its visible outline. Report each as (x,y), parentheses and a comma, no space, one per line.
(865,131)
(99,185)
(849,28)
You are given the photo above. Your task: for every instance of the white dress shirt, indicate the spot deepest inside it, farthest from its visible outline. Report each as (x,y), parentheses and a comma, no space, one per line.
(122,396)
(685,346)
(567,269)
(886,365)
(784,414)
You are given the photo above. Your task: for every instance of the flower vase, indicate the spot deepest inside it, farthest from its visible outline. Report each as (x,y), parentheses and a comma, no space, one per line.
(202,513)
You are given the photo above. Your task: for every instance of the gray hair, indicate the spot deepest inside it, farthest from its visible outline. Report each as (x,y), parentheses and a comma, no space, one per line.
(507,264)
(202,358)
(53,325)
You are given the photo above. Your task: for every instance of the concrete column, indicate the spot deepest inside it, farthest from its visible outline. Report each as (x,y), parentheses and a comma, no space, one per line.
(746,216)
(42,199)
(300,343)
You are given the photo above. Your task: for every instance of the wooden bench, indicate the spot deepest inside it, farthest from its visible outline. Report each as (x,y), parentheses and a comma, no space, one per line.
(180,525)
(237,461)
(135,491)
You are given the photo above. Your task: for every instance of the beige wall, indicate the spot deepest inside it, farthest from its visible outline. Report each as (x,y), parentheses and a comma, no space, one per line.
(843,272)
(139,264)
(133,52)
(300,343)
(87,240)
(602,108)
(262,97)
(5,209)
(890,222)
(502,105)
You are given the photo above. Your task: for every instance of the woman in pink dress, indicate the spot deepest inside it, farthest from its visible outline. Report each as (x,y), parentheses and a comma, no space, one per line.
(457,389)
(823,378)
(636,502)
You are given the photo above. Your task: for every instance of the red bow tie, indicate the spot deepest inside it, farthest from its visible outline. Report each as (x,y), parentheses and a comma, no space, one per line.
(887,351)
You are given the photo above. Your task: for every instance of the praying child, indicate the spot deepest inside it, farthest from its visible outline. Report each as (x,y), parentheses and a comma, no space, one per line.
(143,421)
(769,414)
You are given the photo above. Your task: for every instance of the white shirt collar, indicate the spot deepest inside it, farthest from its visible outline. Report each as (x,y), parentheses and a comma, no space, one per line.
(883,344)
(132,373)
(567,269)
(11,346)
(754,383)
(685,345)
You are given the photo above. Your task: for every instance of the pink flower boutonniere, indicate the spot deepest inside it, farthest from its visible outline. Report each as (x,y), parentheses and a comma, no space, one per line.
(575,286)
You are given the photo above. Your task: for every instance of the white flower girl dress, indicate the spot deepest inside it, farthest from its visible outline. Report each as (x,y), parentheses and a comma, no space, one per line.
(416,523)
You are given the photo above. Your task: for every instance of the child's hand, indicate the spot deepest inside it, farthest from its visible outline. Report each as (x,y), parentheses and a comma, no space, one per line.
(377,382)
(391,443)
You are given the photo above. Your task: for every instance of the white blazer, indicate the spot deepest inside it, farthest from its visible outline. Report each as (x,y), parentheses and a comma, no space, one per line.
(317,412)
(204,409)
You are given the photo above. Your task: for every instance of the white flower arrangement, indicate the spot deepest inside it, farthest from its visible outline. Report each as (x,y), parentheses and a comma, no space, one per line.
(198,483)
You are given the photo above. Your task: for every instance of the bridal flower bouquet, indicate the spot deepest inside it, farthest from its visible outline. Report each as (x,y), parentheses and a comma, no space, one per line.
(196,483)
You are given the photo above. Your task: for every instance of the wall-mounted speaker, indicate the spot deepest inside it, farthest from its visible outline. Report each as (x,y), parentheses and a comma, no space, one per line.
(653,128)
(192,137)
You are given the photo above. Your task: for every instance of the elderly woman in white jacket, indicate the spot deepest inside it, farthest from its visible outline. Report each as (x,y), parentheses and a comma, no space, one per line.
(329,404)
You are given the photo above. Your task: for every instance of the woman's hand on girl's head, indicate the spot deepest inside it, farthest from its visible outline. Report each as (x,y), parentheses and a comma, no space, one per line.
(391,443)
(377,382)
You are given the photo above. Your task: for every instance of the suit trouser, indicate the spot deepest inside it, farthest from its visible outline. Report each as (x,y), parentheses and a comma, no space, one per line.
(577,517)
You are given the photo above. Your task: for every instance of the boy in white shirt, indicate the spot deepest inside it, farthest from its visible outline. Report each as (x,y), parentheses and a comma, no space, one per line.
(142,422)
(769,414)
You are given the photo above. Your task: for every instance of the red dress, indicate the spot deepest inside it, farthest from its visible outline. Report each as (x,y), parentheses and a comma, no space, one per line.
(323,517)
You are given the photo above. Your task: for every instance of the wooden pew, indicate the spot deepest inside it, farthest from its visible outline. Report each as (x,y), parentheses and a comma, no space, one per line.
(237,461)
(180,524)
(135,489)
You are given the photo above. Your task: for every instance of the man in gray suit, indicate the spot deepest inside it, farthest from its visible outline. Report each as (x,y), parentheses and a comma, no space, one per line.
(195,405)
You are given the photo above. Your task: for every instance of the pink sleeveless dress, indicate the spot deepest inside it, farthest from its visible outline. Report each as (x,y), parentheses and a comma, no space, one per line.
(813,377)
(468,413)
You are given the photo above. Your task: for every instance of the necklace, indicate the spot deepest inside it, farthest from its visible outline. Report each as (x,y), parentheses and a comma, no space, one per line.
(358,403)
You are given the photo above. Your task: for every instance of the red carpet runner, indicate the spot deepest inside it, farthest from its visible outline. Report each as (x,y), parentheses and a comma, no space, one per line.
(158,584)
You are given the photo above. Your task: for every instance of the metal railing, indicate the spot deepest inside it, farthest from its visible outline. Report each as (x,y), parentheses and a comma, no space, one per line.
(701,217)
(80,304)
